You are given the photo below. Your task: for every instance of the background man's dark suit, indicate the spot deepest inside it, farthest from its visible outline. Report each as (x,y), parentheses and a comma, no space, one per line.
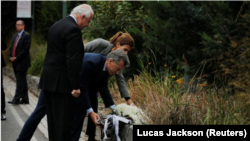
(21,66)
(60,76)
(93,79)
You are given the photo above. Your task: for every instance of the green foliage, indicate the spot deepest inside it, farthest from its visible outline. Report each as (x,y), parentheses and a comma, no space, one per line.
(37,59)
(178,33)
(36,66)
(100,101)
(231,63)
(113,16)
(174,31)
(48,12)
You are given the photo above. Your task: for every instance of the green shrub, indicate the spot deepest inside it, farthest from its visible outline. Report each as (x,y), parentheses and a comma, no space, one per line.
(113,16)
(36,66)
(37,59)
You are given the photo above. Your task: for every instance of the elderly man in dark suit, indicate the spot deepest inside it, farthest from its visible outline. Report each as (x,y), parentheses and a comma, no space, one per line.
(61,71)
(20,58)
(96,69)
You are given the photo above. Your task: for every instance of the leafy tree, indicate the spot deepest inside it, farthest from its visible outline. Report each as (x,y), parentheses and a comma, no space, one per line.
(167,33)
(49,13)
(111,17)
(230,48)
(175,30)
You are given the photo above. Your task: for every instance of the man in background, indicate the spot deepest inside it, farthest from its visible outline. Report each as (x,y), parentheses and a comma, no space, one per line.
(20,58)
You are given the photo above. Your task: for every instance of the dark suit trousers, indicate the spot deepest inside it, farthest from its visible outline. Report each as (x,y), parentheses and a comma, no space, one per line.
(21,86)
(81,113)
(35,118)
(32,122)
(60,115)
(3,111)
(91,127)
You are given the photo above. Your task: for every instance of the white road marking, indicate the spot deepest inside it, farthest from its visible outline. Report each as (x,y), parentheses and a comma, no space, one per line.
(18,118)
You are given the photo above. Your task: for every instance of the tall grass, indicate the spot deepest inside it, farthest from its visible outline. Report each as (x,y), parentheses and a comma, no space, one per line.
(165,104)
(163,100)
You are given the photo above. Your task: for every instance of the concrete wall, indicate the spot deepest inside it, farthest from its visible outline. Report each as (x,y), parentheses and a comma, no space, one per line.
(32,81)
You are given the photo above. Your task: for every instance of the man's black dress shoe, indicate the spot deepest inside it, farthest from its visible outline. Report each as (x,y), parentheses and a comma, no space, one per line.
(13,102)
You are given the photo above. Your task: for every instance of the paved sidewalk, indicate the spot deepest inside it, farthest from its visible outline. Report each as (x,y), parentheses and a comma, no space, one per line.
(9,88)
(16,117)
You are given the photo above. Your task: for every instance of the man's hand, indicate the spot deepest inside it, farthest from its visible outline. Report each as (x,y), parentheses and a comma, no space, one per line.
(12,59)
(95,117)
(76,93)
(130,102)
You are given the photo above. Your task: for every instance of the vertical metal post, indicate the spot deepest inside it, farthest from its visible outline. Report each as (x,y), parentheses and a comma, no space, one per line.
(64,8)
(33,18)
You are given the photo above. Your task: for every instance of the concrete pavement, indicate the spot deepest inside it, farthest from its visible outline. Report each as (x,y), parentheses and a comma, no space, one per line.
(16,117)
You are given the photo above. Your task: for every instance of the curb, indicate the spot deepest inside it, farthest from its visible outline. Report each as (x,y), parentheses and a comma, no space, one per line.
(32,81)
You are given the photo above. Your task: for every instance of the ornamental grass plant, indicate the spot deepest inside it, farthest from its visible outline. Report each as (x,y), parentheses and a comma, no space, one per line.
(163,100)
(165,103)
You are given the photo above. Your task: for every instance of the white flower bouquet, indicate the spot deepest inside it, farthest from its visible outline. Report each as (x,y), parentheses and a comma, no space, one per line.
(131,111)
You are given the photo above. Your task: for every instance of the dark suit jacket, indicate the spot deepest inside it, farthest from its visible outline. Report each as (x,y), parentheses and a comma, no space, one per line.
(104,47)
(92,74)
(22,52)
(63,60)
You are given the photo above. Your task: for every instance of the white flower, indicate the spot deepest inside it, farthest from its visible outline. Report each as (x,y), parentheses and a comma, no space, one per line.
(131,111)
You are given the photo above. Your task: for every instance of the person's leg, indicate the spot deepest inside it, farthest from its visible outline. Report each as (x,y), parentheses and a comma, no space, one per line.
(32,122)
(91,127)
(18,91)
(24,96)
(21,86)
(49,113)
(60,107)
(3,111)
(79,117)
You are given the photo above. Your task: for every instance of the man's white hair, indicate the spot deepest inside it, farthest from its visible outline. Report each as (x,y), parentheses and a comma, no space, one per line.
(83,9)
